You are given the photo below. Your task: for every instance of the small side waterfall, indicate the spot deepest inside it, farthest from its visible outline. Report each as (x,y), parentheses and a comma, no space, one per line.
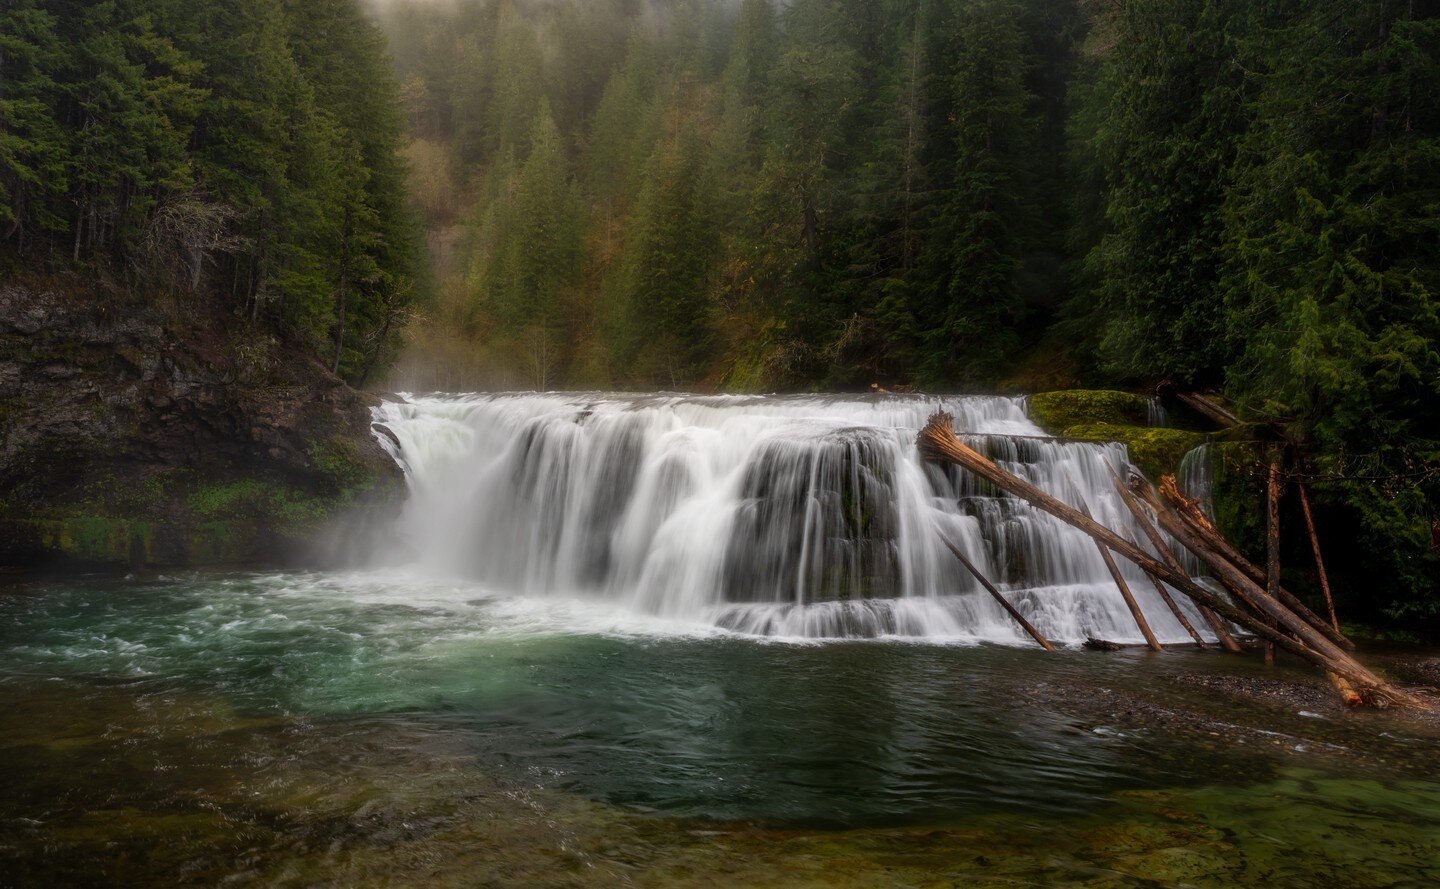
(1197,477)
(783,516)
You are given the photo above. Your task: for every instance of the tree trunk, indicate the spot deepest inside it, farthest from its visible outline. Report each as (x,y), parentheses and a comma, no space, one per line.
(1272,537)
(1319,559)
(1214,540)
(1222,633)
(1125,593)
(990,588)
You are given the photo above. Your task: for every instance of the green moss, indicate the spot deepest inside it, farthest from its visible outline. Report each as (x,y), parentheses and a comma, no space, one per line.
(1157,451)
(104,539)
(1055,411)
(227,499)
(285,510)
(219,543)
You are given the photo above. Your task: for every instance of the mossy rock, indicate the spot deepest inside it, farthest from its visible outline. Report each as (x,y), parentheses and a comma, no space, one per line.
(1156,450)
(1056,411)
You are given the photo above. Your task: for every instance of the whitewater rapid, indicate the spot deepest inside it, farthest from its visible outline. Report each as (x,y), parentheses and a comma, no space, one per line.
(798,517)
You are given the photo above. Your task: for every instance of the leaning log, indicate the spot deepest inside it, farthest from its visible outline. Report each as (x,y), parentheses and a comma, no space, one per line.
(1124,588)
(1209,408)
(990,588)
(1222,633)
(1199,524)
(1288,628)
(1169,601)
(938,442)
(1319,559)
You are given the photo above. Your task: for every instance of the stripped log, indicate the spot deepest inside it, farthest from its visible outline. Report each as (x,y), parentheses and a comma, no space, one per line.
(990,587)
(1272,537)
(1217,626)
(1200,524)
(1169,601)
(1124,587)
(1348,694)
(938,442)
(1319,559)
(1289,628)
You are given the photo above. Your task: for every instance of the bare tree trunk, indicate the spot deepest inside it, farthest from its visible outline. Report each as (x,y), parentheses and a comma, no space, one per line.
(990,588)
(1199,524)
(1125,593)
(1222,633)
(1319,559)
(1272,538)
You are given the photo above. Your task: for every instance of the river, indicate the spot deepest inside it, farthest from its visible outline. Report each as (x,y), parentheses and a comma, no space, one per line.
(663,640)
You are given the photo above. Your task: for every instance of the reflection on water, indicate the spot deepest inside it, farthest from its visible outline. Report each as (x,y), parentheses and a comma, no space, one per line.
(303,729)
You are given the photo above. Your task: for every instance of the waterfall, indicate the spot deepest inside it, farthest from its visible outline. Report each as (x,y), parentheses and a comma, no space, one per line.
(778,516)
(1197,477)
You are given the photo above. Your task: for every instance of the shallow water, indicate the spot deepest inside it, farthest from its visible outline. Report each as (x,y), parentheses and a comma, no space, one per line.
(381,728)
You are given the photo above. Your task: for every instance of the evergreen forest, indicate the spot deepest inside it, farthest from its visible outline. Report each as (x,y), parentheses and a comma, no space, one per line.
(243,152)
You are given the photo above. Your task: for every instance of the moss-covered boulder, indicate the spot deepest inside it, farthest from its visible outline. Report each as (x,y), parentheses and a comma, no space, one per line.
(1107,415)
(1076,407)
(1156,450)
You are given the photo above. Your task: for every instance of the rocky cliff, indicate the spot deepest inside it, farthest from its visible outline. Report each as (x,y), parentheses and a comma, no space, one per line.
(148,431)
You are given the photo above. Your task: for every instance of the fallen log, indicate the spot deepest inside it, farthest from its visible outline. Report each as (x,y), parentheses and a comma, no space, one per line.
(1273,621)
(1272,538)
(1194,517)
(990,588)
(1124,587)
(1348,694)
(1209,408)
(1217,626)
(1169,601)
(938,442)
(1319,559)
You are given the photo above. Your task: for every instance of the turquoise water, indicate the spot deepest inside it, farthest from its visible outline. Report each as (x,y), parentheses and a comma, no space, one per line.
(315,727)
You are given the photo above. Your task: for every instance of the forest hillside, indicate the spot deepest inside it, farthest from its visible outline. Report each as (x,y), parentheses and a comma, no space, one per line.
(950,194)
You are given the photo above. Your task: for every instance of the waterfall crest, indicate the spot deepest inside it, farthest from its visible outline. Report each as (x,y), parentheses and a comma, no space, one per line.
(779,516)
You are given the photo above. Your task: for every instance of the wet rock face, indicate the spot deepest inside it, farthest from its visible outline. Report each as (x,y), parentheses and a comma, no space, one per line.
(116,409)
(818,517)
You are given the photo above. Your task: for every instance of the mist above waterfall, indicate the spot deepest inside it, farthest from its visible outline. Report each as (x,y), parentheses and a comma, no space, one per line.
(778,516)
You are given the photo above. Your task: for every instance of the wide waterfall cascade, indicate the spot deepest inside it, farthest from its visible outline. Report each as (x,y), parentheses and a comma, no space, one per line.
(779,516)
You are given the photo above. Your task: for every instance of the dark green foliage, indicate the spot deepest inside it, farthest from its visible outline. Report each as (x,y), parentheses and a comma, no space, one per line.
(1261,209)
(244,150)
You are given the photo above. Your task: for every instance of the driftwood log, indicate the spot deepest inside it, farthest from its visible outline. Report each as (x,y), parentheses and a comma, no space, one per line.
(1124,588)
(990,588)
(1200,525)
(938,442)
(1222,632)
(1319,559)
